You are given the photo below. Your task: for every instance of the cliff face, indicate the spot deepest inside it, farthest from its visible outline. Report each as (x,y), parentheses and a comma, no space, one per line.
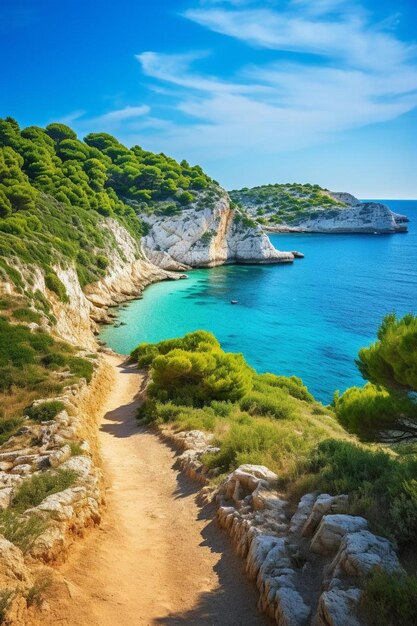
(364,217)
(206,237)
(309,208)
(128,273)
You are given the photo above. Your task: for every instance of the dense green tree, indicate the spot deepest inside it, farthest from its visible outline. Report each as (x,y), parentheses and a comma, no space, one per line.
(59,132)
(386,407)
(195,370)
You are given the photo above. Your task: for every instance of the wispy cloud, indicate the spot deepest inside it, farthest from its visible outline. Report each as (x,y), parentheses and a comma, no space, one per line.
(330,68)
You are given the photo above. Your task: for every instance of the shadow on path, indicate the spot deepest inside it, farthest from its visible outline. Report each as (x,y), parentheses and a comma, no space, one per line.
(124,416)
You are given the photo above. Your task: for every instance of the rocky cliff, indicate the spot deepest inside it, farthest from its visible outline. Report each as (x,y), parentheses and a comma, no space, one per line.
(309,208)
(205,236)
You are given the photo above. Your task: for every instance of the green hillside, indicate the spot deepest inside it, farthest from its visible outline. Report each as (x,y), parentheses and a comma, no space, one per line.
(284,204)
(55,190)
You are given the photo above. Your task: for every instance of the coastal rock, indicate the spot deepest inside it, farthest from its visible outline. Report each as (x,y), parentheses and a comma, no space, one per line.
(206,237)
(332,529)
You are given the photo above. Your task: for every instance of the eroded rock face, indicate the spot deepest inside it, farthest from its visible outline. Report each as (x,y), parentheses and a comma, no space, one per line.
(364,217)
(205,237)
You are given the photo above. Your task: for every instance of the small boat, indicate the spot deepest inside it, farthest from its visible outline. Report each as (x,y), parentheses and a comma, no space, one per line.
(234,301)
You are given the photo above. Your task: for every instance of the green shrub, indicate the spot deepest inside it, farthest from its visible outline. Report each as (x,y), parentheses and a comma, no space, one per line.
(8,427)
(102,261)
(279,405)
(39,486)
(293,385)
(390,599)
(22,531)
(45,411)
(380,487)
(194,370)
(26,315)
(54,284)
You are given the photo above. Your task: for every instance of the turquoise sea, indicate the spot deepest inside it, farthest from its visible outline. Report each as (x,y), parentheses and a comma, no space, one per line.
(308,319)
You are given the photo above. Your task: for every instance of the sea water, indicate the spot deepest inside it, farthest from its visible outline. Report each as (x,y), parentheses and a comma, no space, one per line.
(307,319)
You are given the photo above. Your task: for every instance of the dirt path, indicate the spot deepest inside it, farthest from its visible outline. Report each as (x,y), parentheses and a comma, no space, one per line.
(157,558)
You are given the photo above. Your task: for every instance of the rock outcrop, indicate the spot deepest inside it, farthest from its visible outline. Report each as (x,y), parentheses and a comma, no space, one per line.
(363,217)
(311,209)
(206,237)
(309,565)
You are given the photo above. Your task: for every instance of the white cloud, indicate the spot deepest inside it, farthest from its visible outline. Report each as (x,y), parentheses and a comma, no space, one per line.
(348,38)
(120,115)
(352,73)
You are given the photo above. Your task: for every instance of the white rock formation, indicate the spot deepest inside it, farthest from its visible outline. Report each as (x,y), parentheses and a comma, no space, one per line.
(205,237)
(364,217)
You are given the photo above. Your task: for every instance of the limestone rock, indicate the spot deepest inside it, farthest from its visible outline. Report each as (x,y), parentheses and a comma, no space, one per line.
(337,607)
(205,237)
(12,565)
(291,609)
(324,504)
(332,529)
(360,552)
(60,456)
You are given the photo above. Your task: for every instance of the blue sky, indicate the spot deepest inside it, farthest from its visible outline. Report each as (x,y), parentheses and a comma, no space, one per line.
(278,91)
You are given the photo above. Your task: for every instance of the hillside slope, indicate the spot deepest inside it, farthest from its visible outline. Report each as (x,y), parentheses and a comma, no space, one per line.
(309,208)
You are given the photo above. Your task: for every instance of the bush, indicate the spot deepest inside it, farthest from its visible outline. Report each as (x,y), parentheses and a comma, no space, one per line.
(45,411)
(194,370)
(293,385)
(279,405)
(371,411)
(54,284)
(8,427)
(22,531)
(380,487)
(39,486)
(389,599)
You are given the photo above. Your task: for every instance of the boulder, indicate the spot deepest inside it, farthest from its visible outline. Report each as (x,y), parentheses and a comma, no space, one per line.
(332,529)
(291,610)
(338,607)
(58,457)
(324,504)
(12,565)
(360,552)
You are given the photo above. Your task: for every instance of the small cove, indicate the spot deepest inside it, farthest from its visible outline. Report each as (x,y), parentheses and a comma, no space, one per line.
(307,319)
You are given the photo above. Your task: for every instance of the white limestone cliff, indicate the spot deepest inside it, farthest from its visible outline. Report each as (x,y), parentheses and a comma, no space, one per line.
(206,237)
(364,217)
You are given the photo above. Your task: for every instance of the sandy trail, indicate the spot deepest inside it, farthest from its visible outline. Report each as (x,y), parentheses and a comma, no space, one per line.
(157,557)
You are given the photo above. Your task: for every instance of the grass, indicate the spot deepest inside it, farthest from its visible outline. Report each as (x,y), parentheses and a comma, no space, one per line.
(6,596)
(39,486)
(390,599)
(21,531)
(35,594)
(9,427)
(31,364)
(45,411)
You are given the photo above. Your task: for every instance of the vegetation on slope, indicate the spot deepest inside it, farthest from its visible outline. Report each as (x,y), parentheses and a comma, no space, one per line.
(32,365)
(274,421)
(284,204)
(56,190)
